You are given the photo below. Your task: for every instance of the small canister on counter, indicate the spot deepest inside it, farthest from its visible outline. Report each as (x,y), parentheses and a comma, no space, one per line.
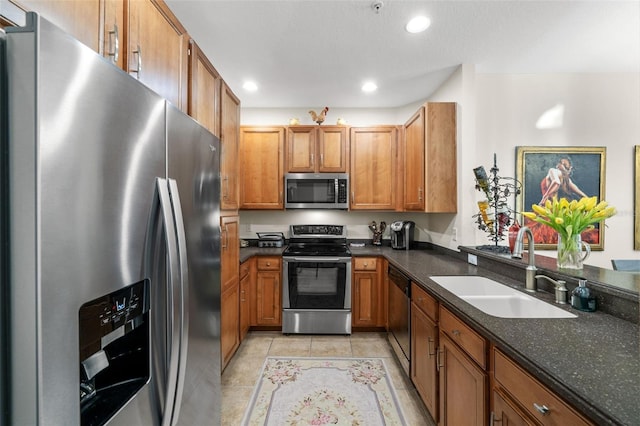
(582,299)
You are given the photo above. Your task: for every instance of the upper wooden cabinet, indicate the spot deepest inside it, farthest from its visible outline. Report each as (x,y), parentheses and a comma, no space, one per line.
(157,50)
(373,167)
(317,149)
(429,152)
(81,19)
(204,90)
(261,170)
(229,140)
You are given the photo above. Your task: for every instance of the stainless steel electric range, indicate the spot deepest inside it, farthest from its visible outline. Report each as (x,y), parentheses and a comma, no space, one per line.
(316,281)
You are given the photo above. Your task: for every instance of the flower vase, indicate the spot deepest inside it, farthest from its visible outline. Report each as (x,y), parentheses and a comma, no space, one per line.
(570,254)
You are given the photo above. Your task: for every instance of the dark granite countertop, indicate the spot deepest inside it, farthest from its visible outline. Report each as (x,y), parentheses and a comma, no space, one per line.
(592,361)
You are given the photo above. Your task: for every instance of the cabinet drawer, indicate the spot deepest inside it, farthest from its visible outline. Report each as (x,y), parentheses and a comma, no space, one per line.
(427,303)
(269,263)
(365,263)
(529,393)
(470,341)
(244,269)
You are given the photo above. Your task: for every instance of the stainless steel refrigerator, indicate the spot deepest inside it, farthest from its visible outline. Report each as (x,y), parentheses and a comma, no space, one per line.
(110,244)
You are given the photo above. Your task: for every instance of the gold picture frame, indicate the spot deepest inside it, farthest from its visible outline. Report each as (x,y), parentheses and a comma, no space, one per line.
(636,211)
(584,174)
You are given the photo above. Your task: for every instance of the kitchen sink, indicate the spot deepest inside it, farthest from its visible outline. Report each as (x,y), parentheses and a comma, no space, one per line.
(497,299)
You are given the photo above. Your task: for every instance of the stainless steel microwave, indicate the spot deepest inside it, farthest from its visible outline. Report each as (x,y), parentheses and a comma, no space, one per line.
(316,191)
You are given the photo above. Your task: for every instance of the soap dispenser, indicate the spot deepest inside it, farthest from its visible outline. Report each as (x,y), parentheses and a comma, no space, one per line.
(582,299)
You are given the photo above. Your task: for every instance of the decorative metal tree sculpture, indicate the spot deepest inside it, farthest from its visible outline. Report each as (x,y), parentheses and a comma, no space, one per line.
(495,215)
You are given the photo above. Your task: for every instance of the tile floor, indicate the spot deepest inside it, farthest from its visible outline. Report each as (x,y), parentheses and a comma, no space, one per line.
(240,376)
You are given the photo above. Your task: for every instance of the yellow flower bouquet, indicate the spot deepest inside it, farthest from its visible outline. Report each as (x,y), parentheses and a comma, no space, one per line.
(570,219)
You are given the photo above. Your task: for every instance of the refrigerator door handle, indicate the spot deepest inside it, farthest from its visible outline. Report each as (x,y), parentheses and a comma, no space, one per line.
(172,338)
(183,291)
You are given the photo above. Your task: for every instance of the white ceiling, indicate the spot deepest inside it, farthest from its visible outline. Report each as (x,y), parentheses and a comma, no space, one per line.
(318,53)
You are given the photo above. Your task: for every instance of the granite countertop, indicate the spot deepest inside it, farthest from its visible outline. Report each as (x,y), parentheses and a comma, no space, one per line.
(592,361)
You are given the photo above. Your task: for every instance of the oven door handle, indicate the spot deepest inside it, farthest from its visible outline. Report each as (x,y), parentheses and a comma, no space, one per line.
(318,259)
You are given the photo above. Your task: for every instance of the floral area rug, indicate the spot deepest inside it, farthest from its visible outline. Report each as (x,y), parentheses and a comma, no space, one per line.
(324,391)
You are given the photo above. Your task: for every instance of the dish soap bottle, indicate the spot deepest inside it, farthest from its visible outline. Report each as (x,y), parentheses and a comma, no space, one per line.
(582,299)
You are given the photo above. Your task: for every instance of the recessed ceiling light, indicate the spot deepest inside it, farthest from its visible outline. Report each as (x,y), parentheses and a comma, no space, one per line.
(250,86)
(418,24)
(369,86)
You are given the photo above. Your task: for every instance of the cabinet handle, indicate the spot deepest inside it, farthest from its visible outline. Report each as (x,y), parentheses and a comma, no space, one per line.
(493,419)
(542,409)
(225,238)
(438,359)
(114,44)
(225,187)
(138,70)
(321,160)
(455,333)
(242,298)
(311,156)
(268,263)
(419,194)
(429,351)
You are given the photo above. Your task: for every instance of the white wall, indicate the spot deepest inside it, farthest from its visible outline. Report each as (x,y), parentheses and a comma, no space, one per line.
(496,113)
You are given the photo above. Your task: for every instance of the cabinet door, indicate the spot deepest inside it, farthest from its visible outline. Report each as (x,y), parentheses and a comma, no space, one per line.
(301,149)
(230,251)
(506,414)
(81,19)
(440,158)
(204,90)
(373,166)
(269,311)
(229,330)
(462,387)
(157,49)
(229,141)
(424,344)
(261,170)
(414,162)
(332,152)
(364,302)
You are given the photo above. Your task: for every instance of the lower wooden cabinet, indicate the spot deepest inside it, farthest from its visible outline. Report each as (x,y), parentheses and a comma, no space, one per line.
(266,295)
(229,315)
(506,413)
(247,272)
(529,401)
(424,346)
(463,387)
(365,289)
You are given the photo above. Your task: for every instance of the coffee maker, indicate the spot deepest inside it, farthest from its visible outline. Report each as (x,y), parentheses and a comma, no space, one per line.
(402,234)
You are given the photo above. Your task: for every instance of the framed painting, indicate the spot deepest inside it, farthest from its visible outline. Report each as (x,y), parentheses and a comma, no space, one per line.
(564,172)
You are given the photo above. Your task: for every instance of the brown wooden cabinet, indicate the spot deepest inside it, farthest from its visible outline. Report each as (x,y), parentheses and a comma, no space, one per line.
(373,168)
(462,361)
(530,402)
(424,345)
(229,273)
(204,90)
(366,292)
(462,387)
(247,274)
(506,413)
(317,149)
(230,141)
(429,159)
(261,169)
(266,294)
(81,19)
(157,50)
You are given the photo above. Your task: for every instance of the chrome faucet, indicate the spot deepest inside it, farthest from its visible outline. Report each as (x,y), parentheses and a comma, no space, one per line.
(561,288)
(530,283)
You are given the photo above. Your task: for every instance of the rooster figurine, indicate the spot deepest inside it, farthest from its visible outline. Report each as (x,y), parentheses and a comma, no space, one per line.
(319,118)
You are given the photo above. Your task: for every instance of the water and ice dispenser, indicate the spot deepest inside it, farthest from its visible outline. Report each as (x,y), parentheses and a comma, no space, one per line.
(114,351)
